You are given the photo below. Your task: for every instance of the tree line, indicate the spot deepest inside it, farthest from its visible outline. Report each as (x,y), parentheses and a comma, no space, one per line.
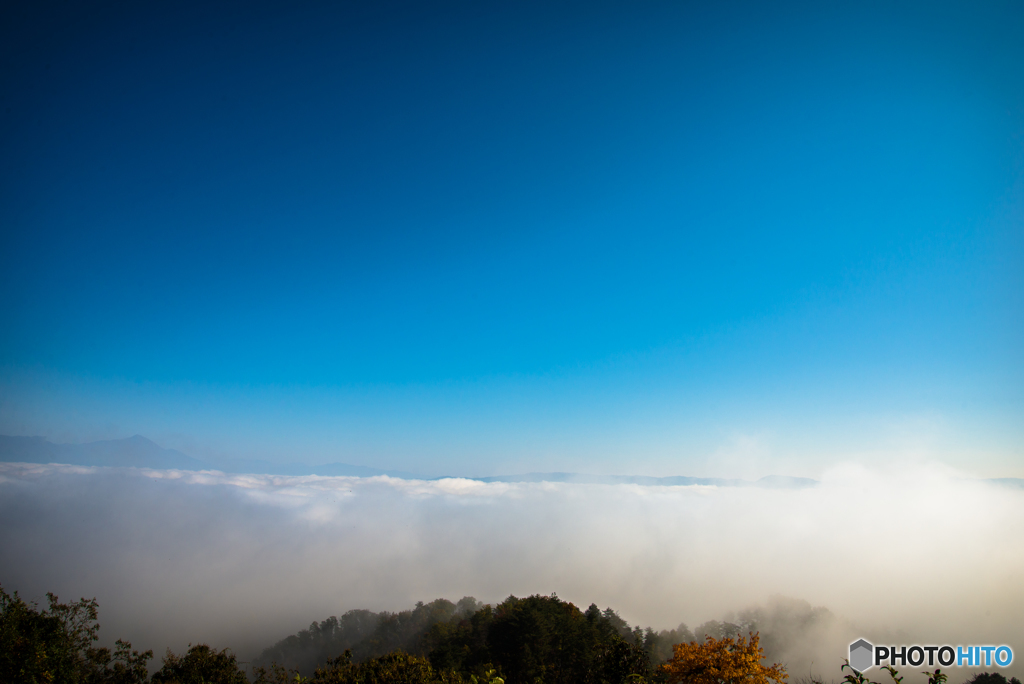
(531,640)
(424,628)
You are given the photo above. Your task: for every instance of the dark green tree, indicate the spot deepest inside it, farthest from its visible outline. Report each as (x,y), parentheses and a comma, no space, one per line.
(122,666)
(540,639)
(200,665)
(55,644)
(392,668)
(991,678)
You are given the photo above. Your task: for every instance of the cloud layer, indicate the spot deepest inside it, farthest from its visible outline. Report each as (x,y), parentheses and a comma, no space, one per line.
(914,554)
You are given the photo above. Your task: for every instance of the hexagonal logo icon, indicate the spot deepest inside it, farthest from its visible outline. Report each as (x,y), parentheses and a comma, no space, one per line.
(861,655)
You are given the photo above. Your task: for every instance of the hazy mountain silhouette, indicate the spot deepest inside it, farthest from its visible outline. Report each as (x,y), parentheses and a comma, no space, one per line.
(770,481)
(300,469)
(139,452)
(133,452)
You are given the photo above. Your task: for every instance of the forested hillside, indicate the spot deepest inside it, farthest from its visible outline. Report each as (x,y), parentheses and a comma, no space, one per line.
(427,628)
(532,640)
(366,634)
(562,640)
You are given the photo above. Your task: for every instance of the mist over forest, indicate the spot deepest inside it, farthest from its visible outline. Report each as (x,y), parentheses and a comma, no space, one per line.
(242,561)
(790,630)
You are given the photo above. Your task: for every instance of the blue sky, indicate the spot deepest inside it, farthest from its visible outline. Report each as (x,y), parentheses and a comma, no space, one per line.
(465,238)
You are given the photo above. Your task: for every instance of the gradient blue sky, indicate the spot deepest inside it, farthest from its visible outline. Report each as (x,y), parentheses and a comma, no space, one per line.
(470,238)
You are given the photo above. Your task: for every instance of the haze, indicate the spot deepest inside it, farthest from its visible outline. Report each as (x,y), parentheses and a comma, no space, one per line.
(245,560)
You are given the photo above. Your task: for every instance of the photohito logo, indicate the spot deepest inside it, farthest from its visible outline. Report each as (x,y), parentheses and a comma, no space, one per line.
(864,656)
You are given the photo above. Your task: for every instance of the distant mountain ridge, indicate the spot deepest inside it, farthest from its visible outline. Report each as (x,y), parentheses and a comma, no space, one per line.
(140,452)
(133,452)
(769,481)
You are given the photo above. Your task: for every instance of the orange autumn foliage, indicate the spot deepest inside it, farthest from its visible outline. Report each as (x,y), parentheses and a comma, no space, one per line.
(721,661)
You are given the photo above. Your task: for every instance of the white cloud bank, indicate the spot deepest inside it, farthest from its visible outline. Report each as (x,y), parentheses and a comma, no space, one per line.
(915,554)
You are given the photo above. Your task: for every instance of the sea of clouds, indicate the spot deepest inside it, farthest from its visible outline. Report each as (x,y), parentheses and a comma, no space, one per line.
(913,554)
